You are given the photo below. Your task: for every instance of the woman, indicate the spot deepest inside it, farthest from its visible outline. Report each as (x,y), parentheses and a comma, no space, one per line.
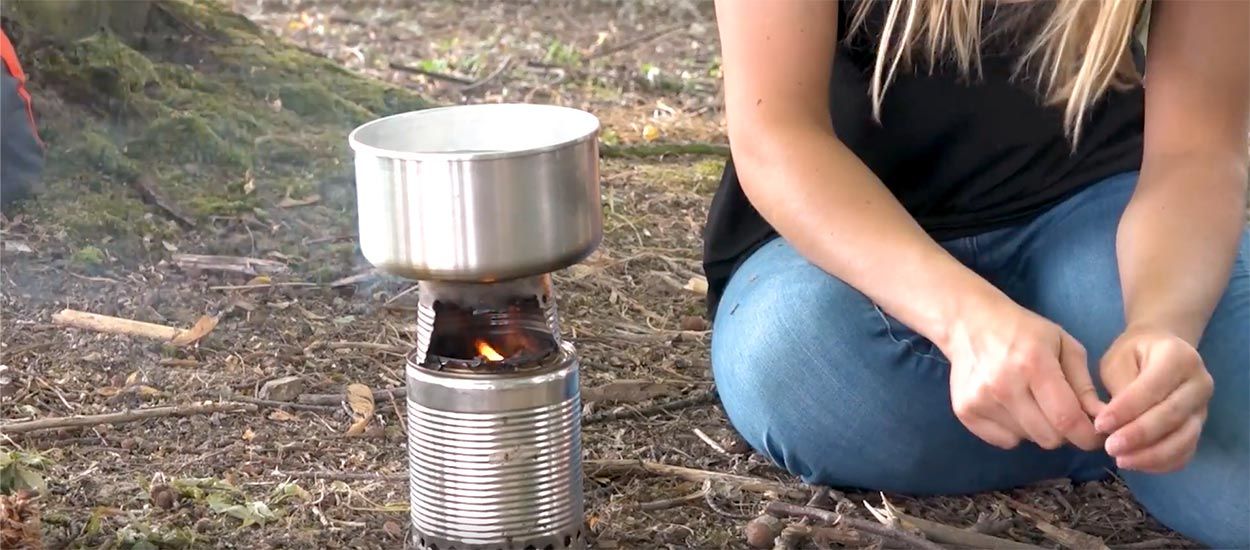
(964,246)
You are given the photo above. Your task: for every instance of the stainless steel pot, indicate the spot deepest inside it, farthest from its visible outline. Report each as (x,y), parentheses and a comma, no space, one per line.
(478,192)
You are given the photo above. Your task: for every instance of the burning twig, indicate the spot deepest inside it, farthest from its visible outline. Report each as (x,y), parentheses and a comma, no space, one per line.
(118,325)
(232,264)
(746,483)
(785,509)
(124,417)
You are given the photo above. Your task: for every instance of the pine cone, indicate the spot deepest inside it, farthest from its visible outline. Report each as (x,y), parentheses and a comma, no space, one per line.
(19,522)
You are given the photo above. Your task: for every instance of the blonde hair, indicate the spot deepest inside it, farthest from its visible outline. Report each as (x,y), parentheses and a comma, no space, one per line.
(1079,49)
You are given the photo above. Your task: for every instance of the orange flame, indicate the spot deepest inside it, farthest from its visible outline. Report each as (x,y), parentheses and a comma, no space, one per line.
(488,352)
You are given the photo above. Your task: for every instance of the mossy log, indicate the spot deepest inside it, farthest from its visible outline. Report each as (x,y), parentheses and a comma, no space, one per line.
(224,116)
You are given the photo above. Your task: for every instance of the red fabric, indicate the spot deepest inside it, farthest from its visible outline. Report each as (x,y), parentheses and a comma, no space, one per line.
(9,56)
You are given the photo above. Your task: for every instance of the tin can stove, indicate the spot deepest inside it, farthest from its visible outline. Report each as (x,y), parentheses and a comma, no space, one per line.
(480,204)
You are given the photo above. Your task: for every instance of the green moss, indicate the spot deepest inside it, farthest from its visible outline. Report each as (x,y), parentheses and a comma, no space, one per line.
(99,67)
(98,151)
(314,100)
(88,256)
(186,137)
(208,205)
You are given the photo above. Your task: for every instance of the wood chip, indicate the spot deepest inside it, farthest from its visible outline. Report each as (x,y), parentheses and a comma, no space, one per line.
(360,400)
(202,327)
(231,264)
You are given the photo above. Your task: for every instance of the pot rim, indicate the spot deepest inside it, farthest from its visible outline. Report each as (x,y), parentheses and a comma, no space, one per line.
(360,147)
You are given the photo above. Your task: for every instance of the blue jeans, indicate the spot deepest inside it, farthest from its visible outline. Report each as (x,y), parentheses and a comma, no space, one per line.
(823,382)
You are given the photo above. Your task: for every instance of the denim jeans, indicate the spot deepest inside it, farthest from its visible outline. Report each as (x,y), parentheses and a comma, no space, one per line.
(823,382)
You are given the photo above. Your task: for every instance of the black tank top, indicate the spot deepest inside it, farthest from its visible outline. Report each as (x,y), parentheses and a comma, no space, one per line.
(963,157)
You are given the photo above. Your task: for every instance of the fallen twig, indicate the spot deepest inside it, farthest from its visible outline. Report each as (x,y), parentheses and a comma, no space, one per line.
(503,66)
(661,149)
(118,325)
(285,404)
(343,476)
(384,348)
(151,195)
(705,397)
(432,74)
(664,504)
(353,279)
(232,264)
(947,534)
(710,442)
(336,399)
(615,48)
(260,285)
(746,483)
(123,417)
(786,509)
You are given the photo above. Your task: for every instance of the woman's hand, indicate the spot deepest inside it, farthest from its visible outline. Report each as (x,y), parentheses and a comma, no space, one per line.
(1159,392)
(1016,375)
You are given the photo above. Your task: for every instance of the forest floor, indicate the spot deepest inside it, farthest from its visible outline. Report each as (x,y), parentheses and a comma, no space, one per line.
(242,139)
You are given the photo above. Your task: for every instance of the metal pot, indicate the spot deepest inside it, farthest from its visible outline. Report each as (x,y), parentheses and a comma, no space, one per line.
(478,192)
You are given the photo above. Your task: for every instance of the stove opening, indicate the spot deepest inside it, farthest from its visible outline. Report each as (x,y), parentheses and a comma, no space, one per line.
(481,338)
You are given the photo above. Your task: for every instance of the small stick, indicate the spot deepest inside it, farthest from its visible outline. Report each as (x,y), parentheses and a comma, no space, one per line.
(384,348)
(432,74)
(947,534)
(710,442)
(284,405)
(343,476)
(114,325)
(134,415)
(705,397)
(232,264)
(664,504)
(785,509)
(337,398)
(147,189)
(503,66)
(633,42)
(746,483)
(260,285)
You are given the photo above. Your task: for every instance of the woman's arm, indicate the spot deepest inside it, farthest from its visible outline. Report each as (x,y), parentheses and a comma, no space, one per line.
(777,58)
(1179,235)
(1014,375)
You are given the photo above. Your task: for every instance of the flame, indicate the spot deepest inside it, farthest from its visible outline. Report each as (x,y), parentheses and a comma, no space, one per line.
(488,352)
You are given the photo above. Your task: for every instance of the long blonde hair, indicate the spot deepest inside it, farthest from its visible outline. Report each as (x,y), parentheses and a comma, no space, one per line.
(1079,51)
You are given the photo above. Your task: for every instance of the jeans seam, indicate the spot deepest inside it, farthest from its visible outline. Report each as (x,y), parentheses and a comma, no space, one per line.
(889,331)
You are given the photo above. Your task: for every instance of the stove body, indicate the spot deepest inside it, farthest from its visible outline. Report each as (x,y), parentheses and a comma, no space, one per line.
(494,427)
(480,204)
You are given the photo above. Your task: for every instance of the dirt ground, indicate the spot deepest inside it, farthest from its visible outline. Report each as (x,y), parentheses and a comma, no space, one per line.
(648,69)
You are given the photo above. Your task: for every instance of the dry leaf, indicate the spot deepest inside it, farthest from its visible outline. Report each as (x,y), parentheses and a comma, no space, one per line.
(260,280)
(248,434)
(360,400)
(205,325)
(697,285)
(289,202)
(108,391)
(249,183)
(147,391)
(629,391)
(282,416)
(134,377)
(650,133)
